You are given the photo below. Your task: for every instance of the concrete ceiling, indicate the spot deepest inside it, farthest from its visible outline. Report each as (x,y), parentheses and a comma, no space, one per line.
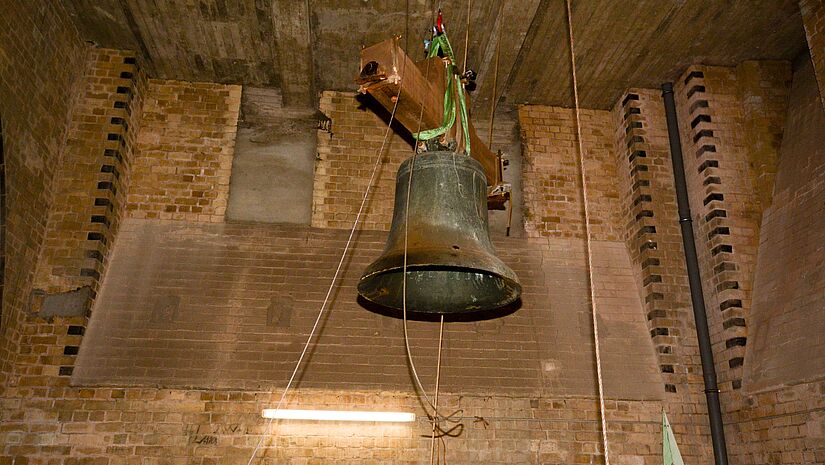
(305,46)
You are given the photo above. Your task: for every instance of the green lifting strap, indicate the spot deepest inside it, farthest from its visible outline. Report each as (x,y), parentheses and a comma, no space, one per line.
(442,43)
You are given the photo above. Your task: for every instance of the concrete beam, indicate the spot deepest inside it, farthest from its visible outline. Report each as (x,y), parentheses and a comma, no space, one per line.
(103,22)
(294,46)
(813,17)
(510,28)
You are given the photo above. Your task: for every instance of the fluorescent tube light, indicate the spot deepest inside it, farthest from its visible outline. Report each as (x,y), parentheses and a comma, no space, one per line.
(337,415)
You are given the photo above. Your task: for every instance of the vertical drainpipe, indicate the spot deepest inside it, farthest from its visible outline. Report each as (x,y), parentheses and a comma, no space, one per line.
(717,430)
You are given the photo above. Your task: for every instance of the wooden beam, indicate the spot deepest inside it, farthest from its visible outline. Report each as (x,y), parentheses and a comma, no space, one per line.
(382,68)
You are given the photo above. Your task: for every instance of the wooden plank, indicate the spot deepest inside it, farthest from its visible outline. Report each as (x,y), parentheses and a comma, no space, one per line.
(382,66)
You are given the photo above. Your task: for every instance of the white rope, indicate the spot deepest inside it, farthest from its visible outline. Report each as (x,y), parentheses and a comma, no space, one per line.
(338,269)
(437,381)
(582,174)
(434,417)
(419,386)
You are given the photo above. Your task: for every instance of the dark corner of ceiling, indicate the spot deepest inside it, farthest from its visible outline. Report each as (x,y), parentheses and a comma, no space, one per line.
(109,24)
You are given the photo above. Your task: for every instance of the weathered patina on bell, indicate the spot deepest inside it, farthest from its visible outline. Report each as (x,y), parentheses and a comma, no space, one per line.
(451,266)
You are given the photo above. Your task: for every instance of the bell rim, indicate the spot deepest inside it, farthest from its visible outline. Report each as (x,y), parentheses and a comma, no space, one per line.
(512,297)
(441,266)
(477,261)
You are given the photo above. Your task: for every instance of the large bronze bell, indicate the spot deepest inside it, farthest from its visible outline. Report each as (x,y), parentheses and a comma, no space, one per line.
(451,268)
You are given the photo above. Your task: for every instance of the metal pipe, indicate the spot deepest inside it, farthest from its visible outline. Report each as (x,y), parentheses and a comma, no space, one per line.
(717,429)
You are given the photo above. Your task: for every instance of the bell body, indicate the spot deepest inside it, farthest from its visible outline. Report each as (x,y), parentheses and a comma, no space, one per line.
(451,266)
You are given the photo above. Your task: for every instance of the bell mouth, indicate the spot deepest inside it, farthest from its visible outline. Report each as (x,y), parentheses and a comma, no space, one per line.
(440,290)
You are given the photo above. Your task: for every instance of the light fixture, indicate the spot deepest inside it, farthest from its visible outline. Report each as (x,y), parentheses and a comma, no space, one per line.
(337,415)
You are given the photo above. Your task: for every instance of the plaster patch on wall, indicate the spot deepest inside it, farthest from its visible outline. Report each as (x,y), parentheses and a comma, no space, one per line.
(61,304)
(279,312)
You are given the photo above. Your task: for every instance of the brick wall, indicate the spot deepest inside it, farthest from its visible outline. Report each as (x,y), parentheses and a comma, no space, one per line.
(345,160)
(781,418)
(763,88)
(789,252)
(525,382)
(730,129)
(97,177)
(725,207)
(115,426)
(240,296)
(2,219)
(781,426)
(537,406)
(188,305)
(654,242)
(633,203)
(184,152)
(733,118)
(652,232)
(732,122)
(89,190)
(93,177)
(228,306)
(813,16)
(43,60)
(553,204)
(726,212)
